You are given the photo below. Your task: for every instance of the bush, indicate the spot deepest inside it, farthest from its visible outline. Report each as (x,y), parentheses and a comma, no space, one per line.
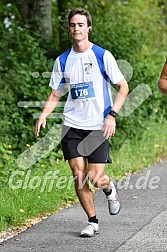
(21,56)
(135,32)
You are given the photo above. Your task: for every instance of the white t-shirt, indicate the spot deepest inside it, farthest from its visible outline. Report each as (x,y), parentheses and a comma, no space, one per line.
(88,77)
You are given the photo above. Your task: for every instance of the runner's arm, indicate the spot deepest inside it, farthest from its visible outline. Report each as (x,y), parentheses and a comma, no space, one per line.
(109,123)
(162,83)
(49,106)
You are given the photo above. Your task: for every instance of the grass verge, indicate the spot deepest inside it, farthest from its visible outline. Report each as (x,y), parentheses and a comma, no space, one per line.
(48,185)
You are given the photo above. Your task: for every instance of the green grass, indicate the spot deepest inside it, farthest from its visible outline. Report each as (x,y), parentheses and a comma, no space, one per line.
(135,154)
(37,196)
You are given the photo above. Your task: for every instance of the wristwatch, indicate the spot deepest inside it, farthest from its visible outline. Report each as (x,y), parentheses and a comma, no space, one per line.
(112,113)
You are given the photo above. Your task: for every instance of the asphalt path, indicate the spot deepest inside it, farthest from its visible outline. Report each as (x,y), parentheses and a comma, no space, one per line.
(141,225)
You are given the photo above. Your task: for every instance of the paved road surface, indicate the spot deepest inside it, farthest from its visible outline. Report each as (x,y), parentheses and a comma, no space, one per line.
(141,226)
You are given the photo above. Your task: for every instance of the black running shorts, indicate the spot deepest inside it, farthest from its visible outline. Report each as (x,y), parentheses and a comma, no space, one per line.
(85,143)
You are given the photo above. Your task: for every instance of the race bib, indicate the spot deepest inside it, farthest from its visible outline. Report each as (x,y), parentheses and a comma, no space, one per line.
(83,90)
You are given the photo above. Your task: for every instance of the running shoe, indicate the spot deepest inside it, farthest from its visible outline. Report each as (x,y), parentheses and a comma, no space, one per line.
(91,230)
(114,202)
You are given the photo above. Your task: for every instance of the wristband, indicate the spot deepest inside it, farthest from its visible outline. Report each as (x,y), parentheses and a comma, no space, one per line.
(112,113)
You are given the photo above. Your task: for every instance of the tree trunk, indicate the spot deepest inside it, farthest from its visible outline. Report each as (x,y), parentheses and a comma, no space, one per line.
(63,24)
(37,15)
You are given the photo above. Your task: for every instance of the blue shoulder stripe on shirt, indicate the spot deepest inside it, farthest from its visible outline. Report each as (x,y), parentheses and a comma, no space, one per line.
(62,59)
(99,53)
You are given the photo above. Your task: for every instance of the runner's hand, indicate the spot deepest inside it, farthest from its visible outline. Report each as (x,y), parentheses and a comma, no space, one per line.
(109,127)
(39,123)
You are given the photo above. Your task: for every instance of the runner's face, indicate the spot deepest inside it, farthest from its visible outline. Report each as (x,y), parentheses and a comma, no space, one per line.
(78,28)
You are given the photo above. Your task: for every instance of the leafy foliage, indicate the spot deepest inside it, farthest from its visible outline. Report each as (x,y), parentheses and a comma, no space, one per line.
(21,57)
(132,31)
(135,32)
